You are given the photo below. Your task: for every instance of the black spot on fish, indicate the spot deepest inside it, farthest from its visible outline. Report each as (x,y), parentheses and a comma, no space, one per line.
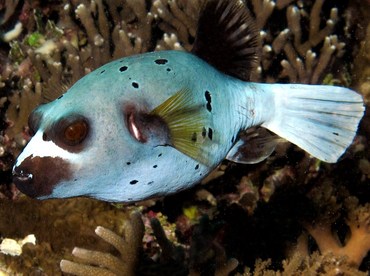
(123,68)
(204,132)
(61,96)
(168,69)
(209,100)
(159,155)
(45,137)
(102,72)
(233,140)
(194,137)
(197,167)
(161,61)
(135,85)
(210,133)
(155,166)
(128,163)
(151,182)
(133,182)
(336,134)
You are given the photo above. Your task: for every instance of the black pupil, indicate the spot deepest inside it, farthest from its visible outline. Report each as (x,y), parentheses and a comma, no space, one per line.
(75,132)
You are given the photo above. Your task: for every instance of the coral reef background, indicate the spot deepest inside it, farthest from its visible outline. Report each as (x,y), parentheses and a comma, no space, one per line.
(290,214)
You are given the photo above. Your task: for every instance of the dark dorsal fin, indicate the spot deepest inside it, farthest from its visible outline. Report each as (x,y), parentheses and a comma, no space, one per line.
(227,38)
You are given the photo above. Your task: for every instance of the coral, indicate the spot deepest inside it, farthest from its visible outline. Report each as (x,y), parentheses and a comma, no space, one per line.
(357,245)
(362,61)
(315,264)
(178,22)
(302,41)
(99,263)
(302,61)
(59,226)
(13,247)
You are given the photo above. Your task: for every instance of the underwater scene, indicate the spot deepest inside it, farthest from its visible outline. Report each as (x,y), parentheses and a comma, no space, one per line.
(197,137)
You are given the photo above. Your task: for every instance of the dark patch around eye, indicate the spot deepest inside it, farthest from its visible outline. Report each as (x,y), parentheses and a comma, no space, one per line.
(197,167)
(159,155)
(150,182)
(336,134)
(102,72)
(209,100)
(123,68)
(233,139)
(168,69)
(161,61)
(61,96)
(133,182)
(210,133)
(135,85)
(70,133)
(128,163)
(155,166)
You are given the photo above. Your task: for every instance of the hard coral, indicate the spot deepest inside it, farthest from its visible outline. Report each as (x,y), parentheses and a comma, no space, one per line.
(303,41)
(357,245)
(99,263)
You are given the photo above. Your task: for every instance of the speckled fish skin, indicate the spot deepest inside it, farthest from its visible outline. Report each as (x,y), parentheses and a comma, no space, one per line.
(157,123)
(115,159)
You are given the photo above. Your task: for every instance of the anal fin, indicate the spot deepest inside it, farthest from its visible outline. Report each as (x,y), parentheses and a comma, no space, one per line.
(254,146)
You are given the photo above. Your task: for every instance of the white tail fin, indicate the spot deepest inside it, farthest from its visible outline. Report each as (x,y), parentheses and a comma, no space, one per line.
(320,119)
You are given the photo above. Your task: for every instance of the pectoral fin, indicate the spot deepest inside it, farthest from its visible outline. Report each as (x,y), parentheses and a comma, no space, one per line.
(188,125)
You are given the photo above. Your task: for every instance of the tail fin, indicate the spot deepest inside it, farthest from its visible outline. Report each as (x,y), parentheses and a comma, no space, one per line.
(320,119)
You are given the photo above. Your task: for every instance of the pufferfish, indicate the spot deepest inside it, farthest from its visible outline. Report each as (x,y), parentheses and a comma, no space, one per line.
(154,124)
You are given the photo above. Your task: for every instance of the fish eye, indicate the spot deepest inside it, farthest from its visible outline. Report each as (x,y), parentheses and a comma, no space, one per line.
(75,132)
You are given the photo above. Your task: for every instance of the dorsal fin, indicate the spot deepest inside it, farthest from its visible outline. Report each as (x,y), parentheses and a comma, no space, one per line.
(227,38)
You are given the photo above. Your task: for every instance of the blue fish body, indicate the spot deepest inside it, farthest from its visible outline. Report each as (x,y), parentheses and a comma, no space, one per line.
(157,123)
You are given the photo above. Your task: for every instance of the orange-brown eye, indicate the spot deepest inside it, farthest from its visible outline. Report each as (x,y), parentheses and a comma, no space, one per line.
(75,133)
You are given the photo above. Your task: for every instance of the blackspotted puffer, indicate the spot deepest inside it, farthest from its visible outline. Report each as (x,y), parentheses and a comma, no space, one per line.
(153,124)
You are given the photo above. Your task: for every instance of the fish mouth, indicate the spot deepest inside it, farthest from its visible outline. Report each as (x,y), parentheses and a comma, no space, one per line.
(23,181)
(21,176)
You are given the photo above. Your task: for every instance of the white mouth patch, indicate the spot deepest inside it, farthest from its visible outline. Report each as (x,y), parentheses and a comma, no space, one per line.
(37,147)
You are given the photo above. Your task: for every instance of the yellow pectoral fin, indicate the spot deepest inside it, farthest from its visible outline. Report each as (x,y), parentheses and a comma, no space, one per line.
(188,123)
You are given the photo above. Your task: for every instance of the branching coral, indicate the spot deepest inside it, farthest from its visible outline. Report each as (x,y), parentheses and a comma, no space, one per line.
(300,63)
(99,263)
(178,22)
(58,225)
(61,42)
(356,247)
